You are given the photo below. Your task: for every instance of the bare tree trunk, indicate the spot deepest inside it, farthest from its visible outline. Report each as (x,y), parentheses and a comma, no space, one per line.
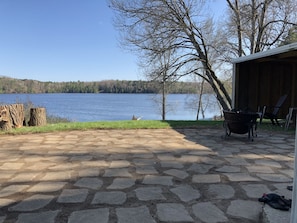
(163,101)
(37,117)
(200,99)
(235,9)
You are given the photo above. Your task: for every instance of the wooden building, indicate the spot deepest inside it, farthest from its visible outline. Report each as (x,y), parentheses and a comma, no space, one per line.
(262,78)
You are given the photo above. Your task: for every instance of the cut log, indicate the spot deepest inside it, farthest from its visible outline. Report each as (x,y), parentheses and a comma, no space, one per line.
(37,117)
(17,114)
(13,116)
(5,120)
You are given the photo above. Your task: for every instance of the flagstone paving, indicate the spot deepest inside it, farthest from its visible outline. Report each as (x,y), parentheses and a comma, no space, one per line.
(183,175)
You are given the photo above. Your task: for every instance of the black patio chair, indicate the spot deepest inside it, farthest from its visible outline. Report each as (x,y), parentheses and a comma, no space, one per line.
(271,112)
(240,122)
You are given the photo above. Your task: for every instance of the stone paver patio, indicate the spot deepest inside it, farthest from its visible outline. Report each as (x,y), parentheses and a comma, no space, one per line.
(184,175)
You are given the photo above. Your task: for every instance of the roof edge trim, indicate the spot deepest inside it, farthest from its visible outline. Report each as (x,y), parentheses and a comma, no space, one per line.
(267,53)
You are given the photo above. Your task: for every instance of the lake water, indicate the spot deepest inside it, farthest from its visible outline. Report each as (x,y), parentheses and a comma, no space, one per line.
(97,107)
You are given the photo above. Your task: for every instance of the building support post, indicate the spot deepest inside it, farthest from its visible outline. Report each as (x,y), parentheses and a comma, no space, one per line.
(294,196)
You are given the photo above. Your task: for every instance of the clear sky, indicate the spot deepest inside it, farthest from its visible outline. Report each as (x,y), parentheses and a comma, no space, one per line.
(63,40)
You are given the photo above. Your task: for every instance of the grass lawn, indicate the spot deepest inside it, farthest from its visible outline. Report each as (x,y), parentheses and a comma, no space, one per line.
(131,124)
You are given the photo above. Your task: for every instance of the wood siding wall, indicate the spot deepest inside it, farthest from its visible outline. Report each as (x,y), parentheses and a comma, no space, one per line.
(262,83)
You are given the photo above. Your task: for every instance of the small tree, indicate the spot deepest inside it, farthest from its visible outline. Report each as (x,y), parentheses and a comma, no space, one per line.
(200,105)
(160,71)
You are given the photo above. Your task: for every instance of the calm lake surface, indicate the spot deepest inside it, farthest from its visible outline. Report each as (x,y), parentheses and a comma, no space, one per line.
(97,107)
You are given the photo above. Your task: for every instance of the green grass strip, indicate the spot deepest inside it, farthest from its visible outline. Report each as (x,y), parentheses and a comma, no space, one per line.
(131,124)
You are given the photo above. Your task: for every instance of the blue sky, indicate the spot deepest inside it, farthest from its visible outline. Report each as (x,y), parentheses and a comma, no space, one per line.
(63,40)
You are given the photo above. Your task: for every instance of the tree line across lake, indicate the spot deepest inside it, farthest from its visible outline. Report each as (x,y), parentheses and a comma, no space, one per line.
(12,85)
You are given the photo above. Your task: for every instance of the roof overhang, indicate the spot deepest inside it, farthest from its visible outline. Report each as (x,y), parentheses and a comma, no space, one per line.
(284,52)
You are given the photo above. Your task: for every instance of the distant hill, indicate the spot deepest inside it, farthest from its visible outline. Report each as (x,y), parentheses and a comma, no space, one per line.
(12,85)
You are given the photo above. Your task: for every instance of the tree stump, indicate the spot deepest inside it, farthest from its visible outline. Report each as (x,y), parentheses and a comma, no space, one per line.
(37,117)
(11,116)
(5,120)
(17,114)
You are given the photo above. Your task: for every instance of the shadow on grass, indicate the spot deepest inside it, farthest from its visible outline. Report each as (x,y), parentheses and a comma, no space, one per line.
(194,124)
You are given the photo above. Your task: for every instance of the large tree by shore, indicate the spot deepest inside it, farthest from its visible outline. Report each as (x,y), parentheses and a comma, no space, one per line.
(152,27)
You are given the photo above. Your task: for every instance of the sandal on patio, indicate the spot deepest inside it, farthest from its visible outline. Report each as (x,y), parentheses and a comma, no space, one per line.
(288,202)
(276,201)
